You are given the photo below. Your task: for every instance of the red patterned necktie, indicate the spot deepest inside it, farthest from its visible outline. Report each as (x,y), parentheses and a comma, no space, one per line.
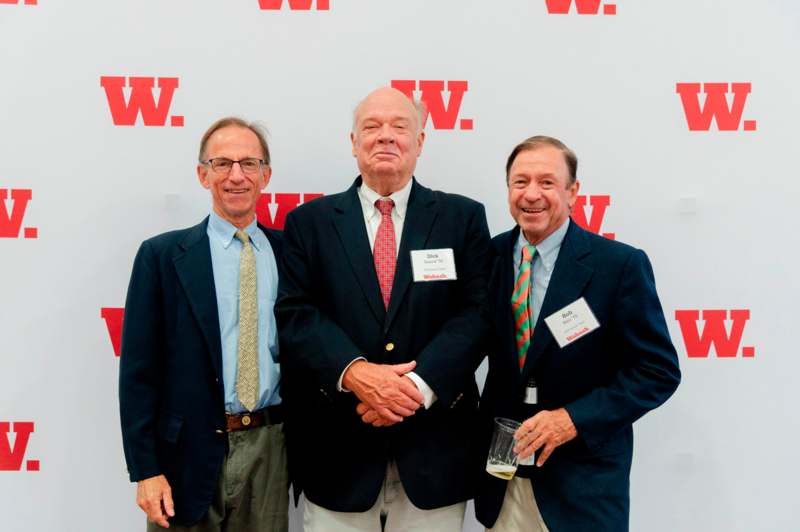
(384,253)
(520,307)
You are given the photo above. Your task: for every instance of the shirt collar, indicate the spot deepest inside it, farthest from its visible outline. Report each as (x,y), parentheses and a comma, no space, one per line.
(225,232)
(368,198)
(547,250)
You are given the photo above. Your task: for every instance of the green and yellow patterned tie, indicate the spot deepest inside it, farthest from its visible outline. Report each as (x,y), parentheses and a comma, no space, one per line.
(519,304)
(247,360)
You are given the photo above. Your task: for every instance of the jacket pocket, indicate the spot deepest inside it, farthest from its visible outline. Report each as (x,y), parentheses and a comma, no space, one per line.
(169,427)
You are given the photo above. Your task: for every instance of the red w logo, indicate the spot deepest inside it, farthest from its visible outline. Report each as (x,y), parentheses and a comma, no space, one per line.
(141,100)
(271,209)
(443,116)
(599,205)
(698,344)
(10,224)
(715,106)
(295,5)
(114,317)
(585,7)
(11,457)
(26,2)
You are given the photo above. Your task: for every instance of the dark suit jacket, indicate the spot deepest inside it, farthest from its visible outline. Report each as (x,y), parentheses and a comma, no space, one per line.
(330,311)
(606,380)
(171,395)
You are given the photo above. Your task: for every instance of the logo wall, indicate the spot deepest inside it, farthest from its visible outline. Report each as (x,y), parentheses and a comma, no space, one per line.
(443,116)
(724,103)
(599,205)
(12,456)
(714,332)
(295,5)
(141,100)
(271,209)
(12,212)
(583,7)
(113,317)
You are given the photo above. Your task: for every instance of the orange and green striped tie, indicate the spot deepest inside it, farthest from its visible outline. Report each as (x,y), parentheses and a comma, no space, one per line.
(519,304)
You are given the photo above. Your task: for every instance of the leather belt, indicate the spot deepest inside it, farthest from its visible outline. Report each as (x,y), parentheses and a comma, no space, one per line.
(270,415)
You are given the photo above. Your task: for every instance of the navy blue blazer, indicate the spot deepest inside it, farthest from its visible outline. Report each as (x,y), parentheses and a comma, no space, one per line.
(171,397)
(329,311)
(606,380)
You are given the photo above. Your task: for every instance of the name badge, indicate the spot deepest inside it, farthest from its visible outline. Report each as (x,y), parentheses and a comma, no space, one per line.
(433,265)
(530,399)
(531,394)
(572,322)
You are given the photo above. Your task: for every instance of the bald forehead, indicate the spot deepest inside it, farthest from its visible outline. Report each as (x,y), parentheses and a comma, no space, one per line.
(386,101)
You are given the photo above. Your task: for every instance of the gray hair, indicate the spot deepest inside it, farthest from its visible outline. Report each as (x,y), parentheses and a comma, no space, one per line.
(419,106)
(257,129)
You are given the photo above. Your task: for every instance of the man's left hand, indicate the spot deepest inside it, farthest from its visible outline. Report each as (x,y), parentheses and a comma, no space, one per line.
(546,430)
(370,416)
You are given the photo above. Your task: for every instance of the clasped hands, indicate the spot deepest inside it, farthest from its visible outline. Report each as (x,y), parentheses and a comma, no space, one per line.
(386,394)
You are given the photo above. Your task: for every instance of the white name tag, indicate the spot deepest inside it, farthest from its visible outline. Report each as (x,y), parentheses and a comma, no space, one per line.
(531,395)
(433,265)
(572,322)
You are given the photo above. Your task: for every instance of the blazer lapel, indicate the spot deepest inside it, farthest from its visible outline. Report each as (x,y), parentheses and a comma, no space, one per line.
(193,266)
(569,278)
(348,218)
(501,286)
(274,242)
(420,215)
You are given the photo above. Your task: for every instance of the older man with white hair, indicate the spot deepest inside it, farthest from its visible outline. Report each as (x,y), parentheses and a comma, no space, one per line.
(381,316)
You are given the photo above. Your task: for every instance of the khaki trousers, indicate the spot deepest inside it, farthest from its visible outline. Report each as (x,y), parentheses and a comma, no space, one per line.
(252,493)
(519,512)
(393,503)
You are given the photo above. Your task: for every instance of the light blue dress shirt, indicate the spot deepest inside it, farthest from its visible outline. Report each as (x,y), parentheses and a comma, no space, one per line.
(543,263)
(225,251)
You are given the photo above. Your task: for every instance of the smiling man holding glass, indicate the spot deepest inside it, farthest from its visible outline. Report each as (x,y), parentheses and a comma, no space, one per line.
(580,351)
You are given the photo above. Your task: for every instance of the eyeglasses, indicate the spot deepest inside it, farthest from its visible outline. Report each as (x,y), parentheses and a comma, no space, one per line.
(222,165)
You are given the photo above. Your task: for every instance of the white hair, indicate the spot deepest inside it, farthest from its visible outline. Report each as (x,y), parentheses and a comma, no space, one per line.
(419,106)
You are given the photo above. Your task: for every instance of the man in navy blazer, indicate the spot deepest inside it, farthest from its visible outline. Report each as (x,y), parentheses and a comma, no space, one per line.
(207,454)
(577,403)
(382,313)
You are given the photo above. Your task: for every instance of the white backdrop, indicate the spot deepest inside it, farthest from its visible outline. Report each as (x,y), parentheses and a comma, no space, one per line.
(714,209)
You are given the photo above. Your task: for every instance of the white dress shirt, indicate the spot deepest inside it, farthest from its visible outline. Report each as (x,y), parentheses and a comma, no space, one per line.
(372,216)
(372,220)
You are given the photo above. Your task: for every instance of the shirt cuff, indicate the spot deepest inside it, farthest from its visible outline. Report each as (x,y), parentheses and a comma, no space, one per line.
(341,377)
(423,387)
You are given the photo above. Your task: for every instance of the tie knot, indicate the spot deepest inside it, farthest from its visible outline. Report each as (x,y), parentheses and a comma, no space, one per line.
(385,206)
(528,251)
(243,237)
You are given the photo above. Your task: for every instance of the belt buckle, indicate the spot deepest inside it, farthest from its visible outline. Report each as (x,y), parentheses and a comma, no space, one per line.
(246,420)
